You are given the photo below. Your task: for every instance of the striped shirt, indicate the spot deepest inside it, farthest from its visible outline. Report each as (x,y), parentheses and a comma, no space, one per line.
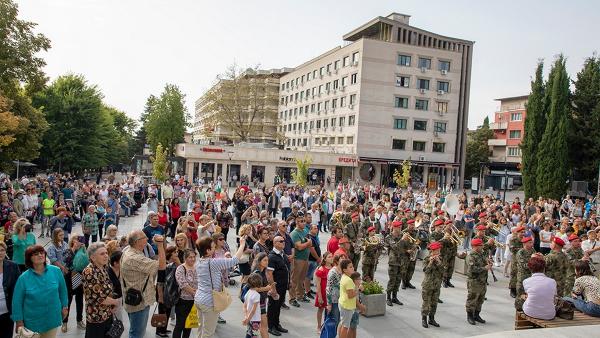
(204,290)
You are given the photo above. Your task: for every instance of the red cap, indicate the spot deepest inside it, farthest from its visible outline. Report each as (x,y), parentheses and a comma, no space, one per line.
(440,212)
(438,222)
(371,229)
(476,242)
(521,228)
(396,224)
(482,214)
(355,215)
(435,245)
(344,240)
(411,221)
(407,210)
(371,210)
(573,237)
(448,222)
(526,239)
(559,241)
(481,227)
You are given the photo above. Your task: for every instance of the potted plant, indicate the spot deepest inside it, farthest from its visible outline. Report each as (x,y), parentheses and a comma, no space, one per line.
(373,298)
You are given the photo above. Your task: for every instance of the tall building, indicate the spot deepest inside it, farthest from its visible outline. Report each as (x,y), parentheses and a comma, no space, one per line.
(392,92)
(263,127)
(509,129)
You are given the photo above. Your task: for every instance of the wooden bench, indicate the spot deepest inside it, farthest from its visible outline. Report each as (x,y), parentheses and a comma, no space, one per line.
(523,321)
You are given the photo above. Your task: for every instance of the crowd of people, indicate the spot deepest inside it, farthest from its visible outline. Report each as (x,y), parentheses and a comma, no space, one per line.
(177,266)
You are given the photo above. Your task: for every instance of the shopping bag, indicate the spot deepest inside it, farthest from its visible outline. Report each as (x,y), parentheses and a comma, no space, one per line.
(329,328)
(191,321)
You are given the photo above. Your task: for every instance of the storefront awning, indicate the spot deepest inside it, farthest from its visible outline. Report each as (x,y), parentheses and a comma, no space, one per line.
(398,162)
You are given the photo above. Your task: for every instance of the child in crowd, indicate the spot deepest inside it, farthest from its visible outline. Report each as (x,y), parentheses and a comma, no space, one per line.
(251,301)
(109,217)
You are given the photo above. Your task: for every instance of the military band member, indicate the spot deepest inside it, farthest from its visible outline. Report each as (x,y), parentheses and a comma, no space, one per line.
(437,233)
(370,255)
(352,231)
(433,269)
(514,246)
(411,255)
(557,265)
(574,254)
(478,266)
(449,251)
(372,221)
(395,262)
(522,257)
(488,245)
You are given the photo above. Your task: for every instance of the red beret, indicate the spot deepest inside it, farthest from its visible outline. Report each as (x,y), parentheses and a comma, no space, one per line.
(411,221)
(371,210)
(407,210)
(526,239)
(559,241)
(371,229)
(435,245)
(355,215)
(440,212)
(396,224)
(573,237)
(476,242)
(482,214)
(448,222)
(438,222)
(481,227)
(521,228)
(344,240)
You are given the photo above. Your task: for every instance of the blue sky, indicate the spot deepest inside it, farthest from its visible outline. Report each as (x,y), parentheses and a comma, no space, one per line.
(130,49)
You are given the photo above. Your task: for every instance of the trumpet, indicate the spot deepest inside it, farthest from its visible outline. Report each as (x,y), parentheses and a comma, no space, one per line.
(410,238)
(494,226)
(496,243)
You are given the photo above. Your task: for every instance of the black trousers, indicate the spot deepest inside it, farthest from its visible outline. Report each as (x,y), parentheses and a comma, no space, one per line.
(274,308)
(182,310)
(166,310)
(98,330)
(7,326)
(78,293)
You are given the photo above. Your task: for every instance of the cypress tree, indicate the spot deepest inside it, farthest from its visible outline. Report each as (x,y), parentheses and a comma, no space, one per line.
(553,153)
(535,123)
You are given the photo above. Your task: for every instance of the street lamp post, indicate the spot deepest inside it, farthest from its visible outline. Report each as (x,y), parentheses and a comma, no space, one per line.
(230,155)
(505,184)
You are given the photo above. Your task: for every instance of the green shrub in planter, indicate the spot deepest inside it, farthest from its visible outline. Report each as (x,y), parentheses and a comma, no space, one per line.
(373,298)
(372,288)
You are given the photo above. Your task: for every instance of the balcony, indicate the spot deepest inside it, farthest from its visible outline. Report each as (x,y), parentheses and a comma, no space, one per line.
(497,142)
(499,125)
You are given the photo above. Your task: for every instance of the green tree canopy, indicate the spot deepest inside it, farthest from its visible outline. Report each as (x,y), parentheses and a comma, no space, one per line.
(478,150)
(166,118)
(160,164)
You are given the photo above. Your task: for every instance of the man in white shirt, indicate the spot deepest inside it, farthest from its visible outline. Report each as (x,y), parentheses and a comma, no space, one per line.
(167,190)
(591,248)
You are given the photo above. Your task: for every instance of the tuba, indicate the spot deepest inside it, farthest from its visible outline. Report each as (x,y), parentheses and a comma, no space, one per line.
(451,204)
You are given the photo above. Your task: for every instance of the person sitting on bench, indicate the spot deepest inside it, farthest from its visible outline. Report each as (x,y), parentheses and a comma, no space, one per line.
(586,290)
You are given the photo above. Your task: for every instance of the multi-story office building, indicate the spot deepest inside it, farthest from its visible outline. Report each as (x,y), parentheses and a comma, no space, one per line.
(392,92)
(263,128)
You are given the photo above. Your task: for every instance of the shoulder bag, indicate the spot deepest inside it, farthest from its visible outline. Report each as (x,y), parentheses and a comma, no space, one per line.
(221,299)
(116,328)
(158,319)
(134,297)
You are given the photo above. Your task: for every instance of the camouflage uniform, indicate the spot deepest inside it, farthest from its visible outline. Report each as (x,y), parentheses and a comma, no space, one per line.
(436,236)
(522,258)
(369,260)
(448,253)
(431,286)
(352,231)
(476,280)
(557,265)
(409,269)
(367,223)
(395,261)
(515,246)
(573,255)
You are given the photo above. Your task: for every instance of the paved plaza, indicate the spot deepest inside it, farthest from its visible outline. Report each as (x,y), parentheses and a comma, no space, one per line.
(403,320)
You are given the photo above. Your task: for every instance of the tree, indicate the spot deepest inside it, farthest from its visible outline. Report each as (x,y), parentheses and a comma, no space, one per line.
(123,128)
(159,164)
(10,125)
(402,179)
(553,153)
(301,174)
(244,103)
(166,118)
(478,150)
(535,124)
(584,134)
(21,75)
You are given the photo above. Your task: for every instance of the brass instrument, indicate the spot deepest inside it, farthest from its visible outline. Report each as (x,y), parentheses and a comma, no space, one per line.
(375,240)
(415,242)
(494,226)
(496,243)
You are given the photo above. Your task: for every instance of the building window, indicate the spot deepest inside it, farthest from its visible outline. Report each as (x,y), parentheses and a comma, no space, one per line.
(345,61)
(328,68)
(421,104)
(335,84)
(401,102)
(402,81)
(444,86)
(325,123)
(317,141)
(341,140)
(420,125)
(444,65)
(336,64)
(350,140)
(423,84)
(332,140)
(399,123)
(314,74)
(319,106)
(425,63)
(353,99)
(342,121)
(334,103)
(351,120)
(320,89)
(355,57)
(398,144)
(516,116)
(282,86)
(327,86)
(304,142)
(293,142)
(312,108)
(353,78)
(404,60)
(311,126)
(439,127)
(513,151)
(333,122)
(438,147)
(516,134)
(418,146)
(318,124)
(442,107)
(308,77)
(342,101)
(322,71)
(344,81)
(326,105)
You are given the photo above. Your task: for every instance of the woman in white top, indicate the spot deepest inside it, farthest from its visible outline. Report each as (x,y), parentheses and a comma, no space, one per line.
(540,291)
(546,238)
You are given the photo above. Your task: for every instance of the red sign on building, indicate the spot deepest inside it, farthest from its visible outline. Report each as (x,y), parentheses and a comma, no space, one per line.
(213,150)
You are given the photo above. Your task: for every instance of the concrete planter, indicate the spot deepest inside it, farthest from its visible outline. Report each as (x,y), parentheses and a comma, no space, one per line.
(375,305)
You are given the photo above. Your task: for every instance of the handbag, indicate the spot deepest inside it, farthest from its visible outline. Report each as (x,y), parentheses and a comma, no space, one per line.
(565,309)
(191,321)
(133,296)
(116,328)
(221,299)
(76,280)
(158,319)
(26,333)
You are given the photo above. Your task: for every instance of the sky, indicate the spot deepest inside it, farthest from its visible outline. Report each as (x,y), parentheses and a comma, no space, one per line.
(131,48)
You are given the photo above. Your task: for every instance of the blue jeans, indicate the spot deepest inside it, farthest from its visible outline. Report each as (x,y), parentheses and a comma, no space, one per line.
(588,308)
(312,266)
(138,322)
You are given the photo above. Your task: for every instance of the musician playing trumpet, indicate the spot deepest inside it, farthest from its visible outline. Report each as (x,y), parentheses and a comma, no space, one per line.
(411,249)
(352,232)
(395,244)
(448,252)
(433,269)
(372,247)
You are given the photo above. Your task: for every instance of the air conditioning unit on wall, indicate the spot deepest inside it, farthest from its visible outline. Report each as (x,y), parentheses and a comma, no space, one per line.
(421,158)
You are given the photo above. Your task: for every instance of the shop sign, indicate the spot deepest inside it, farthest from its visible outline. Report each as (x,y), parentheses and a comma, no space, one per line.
(347,160)
(212,150)
(287,159)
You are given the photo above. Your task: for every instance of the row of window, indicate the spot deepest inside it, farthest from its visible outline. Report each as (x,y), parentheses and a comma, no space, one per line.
(404,81)
(422,62)
(318,107)
(318,90)
(324,70)
(420,104)
(437,147)
(513,151)
(514,134)
(321,141)
(318,124)
(420,125)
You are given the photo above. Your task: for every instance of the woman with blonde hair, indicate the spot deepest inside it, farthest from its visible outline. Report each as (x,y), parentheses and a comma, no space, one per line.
(111,233)
(112,247)
(181,244)
(22,239)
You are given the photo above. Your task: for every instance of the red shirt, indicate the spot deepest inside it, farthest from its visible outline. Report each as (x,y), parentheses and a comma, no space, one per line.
(175,211)
(333,244)
(162,220)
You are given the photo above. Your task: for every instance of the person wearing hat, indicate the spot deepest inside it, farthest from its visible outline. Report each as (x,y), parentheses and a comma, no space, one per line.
(396,258)
(522,258)
(343,248)
(17,203)
(557,265)
(514,246)
(448,252)
(352,231)
(372,221)
(372,250)
(411,254)
(574,254)
(591,248)
(437,233)
(478,266)
(433,267)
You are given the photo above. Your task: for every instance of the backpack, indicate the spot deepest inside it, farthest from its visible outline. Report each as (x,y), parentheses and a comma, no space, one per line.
(81,260)
(172,290)
(243,292)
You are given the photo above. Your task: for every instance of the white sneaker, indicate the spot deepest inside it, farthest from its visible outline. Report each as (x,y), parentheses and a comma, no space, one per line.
(64,328)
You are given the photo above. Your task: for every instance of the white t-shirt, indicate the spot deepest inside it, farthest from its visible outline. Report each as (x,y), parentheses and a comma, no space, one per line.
(252,297)
(284,201)
(315,216)
(545,235)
